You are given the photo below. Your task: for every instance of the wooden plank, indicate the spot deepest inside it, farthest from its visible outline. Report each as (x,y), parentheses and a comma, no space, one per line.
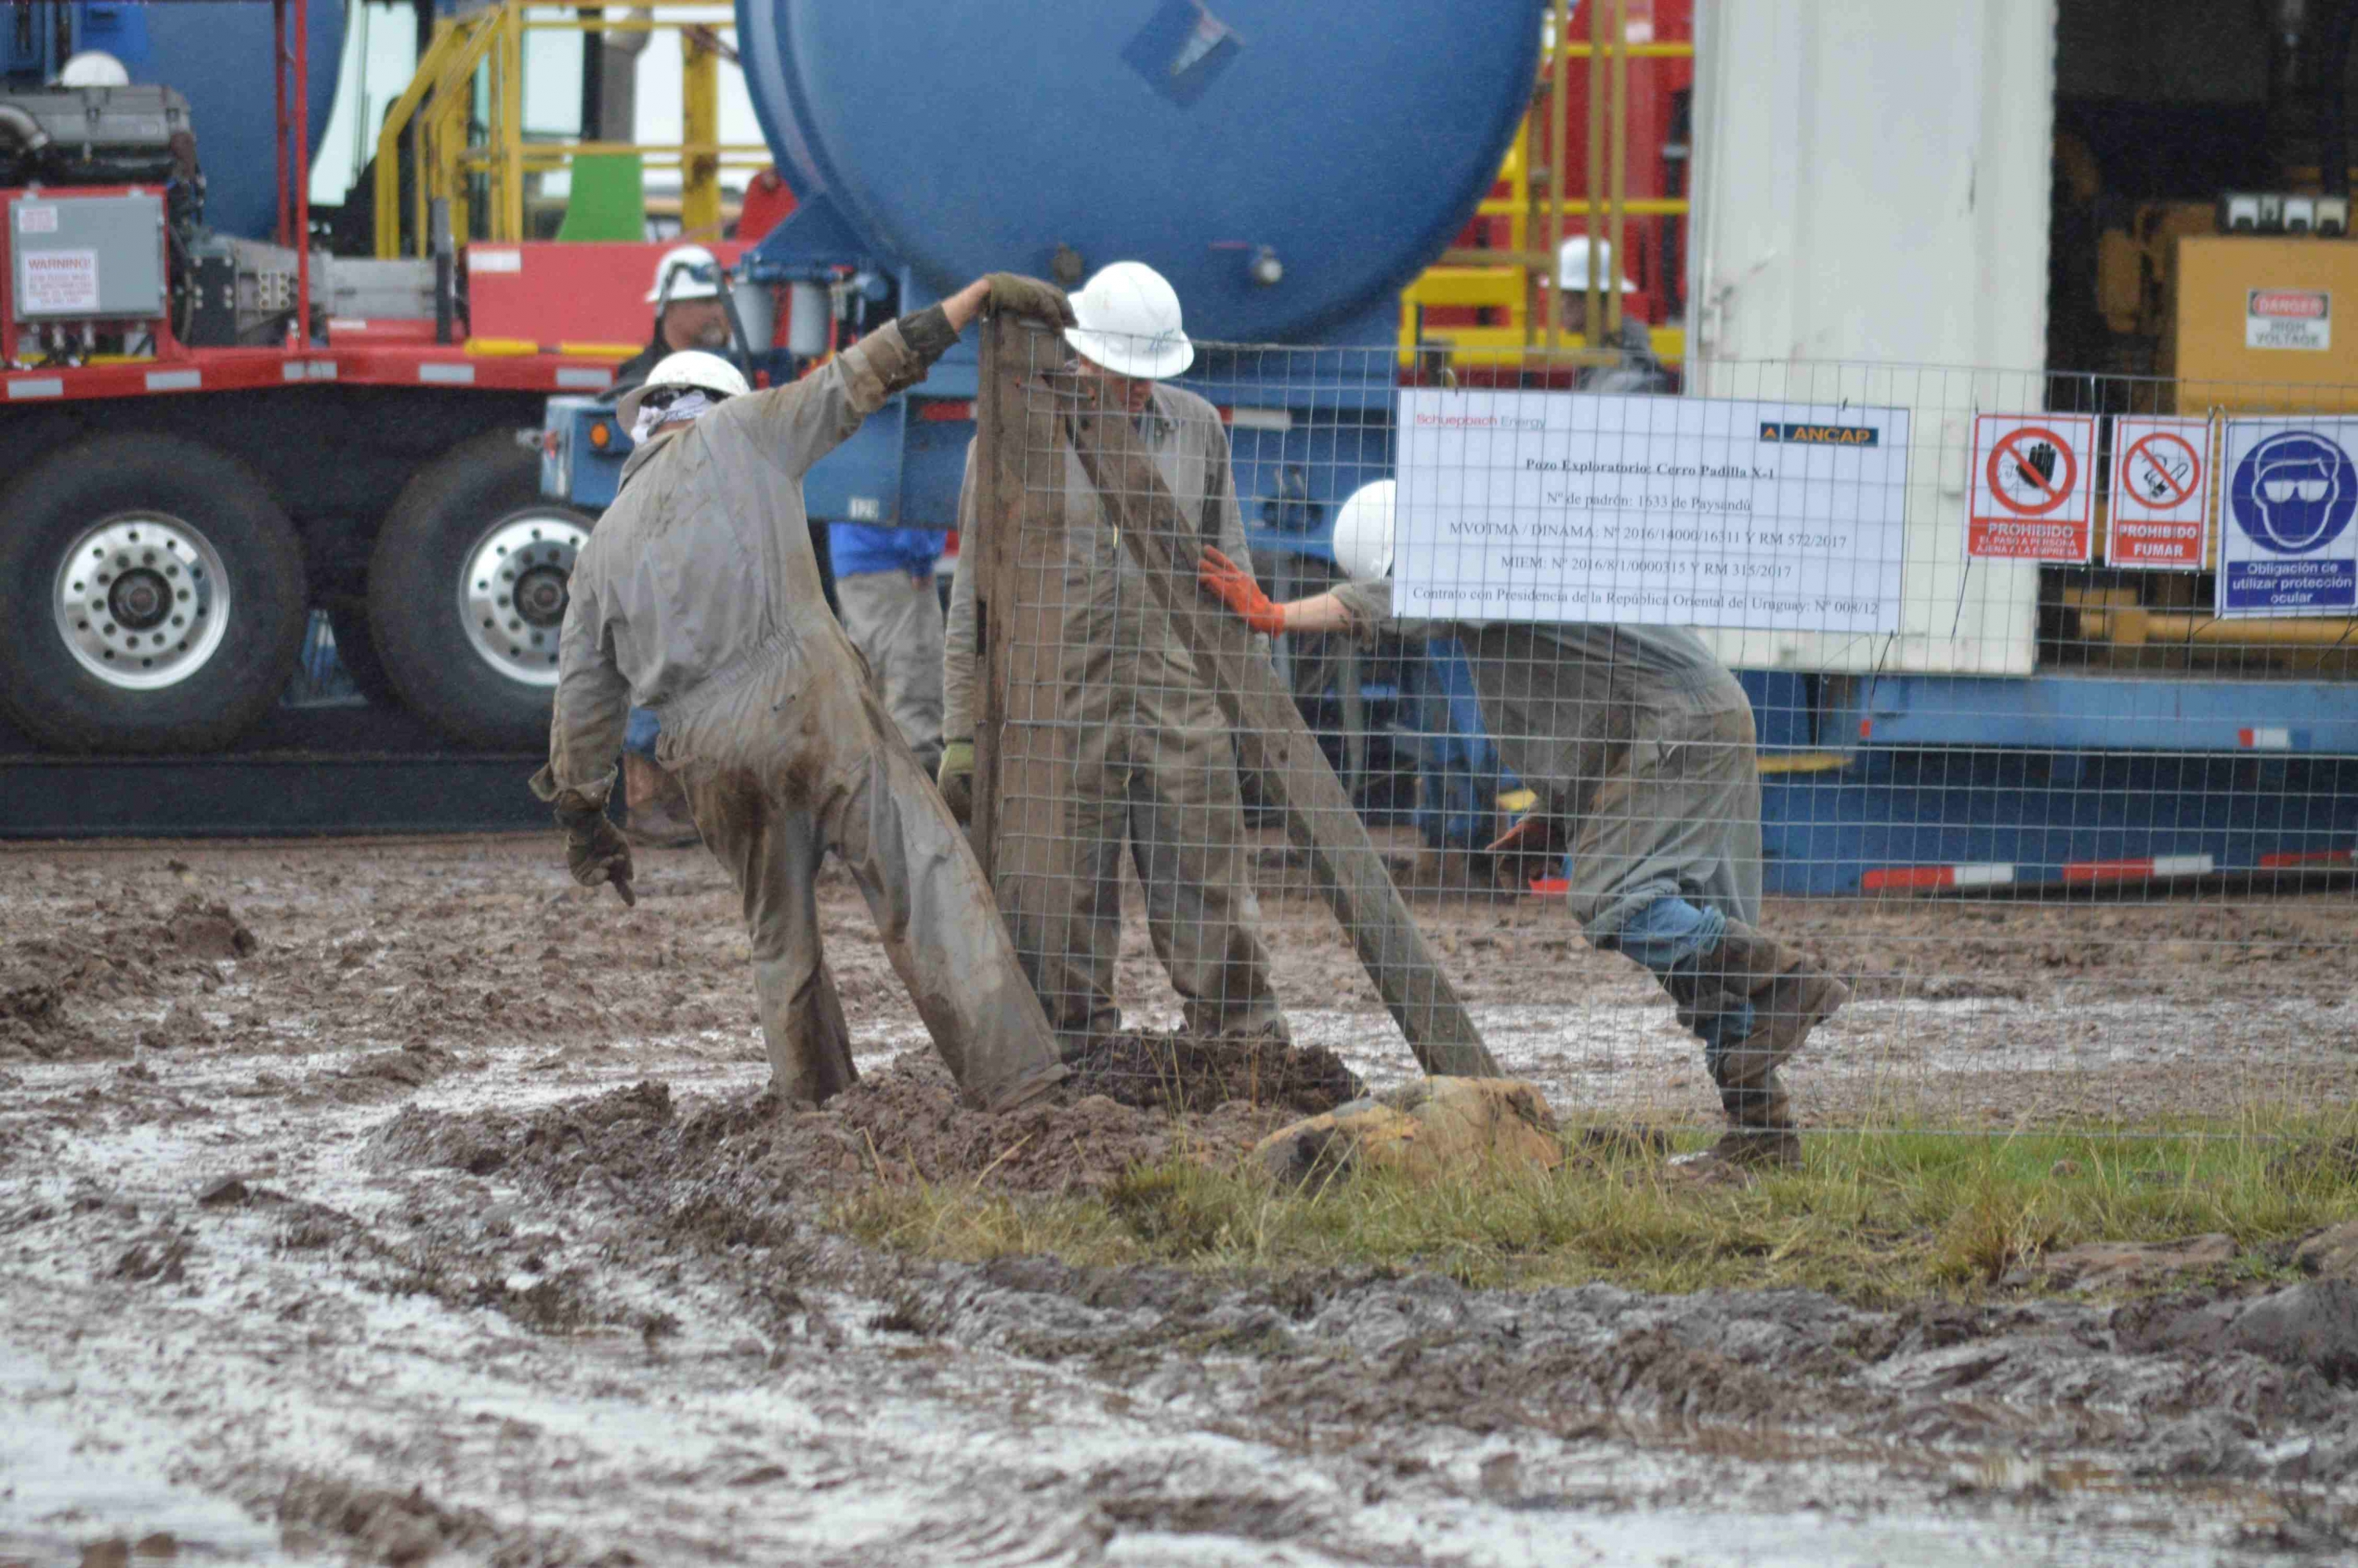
(1272,742)
(1023,778)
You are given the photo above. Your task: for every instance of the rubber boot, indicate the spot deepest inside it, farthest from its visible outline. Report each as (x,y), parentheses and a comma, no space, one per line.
(1788,996)
(1760,1132)
(657,814)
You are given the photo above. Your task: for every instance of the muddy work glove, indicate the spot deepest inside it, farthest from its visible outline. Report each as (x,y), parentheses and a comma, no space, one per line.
(1016,294)
(1235,587)
(957,780)
(595,850)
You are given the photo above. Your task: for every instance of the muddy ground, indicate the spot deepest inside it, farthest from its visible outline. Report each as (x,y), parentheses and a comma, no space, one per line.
(401,1202)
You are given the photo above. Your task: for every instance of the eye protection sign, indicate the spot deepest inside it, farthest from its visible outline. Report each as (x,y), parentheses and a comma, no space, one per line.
(2286,545)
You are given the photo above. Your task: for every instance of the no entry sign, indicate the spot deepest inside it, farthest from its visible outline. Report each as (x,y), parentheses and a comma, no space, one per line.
(2031,487)
(2161,493)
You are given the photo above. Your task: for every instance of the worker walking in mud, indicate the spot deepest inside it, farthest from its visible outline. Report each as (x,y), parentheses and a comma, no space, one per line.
(698,596)
(1152,768)
(1640,747)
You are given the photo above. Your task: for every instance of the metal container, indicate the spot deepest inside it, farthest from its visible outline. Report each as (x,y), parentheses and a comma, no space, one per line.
(217,54)
(1287,164)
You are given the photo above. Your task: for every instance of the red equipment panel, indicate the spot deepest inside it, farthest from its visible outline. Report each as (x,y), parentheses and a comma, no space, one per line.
(550,292)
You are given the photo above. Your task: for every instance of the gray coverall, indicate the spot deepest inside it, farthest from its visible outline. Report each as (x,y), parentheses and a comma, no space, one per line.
(1153,763)
(698,596)
(894,618)
(1637,735)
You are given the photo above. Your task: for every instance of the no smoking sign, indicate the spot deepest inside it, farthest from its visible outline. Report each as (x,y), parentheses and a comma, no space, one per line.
(2161,494)
(2031,487)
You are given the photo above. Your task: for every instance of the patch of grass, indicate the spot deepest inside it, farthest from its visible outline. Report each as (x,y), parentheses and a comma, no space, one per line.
(1876,1218)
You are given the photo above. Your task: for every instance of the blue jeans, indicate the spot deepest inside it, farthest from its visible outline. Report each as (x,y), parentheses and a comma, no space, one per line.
(639,738)
(1669,931)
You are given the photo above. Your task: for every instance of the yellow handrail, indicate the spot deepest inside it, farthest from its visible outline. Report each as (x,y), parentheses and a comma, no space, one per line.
(463,112)
(1500,277)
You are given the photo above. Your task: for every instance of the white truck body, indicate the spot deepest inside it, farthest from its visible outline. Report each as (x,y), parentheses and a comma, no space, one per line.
(1870,222)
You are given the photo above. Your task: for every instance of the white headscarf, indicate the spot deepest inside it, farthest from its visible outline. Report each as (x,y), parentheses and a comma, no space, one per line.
(678,411)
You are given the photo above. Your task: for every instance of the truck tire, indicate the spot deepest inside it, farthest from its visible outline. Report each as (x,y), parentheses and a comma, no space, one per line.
(466,593)
(155,597)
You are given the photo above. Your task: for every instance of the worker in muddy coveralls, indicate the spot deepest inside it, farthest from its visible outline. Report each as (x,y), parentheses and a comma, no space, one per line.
(1640,747)
(699,596)
(689,314)
(1151,766)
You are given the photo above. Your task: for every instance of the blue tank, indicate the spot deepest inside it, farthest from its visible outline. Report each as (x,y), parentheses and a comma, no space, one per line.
(217,54)
(1347,142)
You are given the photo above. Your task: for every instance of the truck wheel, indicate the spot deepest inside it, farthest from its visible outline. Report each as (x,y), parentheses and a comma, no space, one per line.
(466,593)
(153,593)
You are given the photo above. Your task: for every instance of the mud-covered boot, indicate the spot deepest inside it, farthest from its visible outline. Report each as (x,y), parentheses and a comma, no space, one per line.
(658,816)
(1760,1133)
(1788,996)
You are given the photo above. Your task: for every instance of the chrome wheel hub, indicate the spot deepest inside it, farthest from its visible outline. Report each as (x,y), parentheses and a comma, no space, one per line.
(511,593)
(142,600)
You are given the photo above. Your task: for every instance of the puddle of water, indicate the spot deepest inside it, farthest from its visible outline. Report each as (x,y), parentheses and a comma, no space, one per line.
(73,1472)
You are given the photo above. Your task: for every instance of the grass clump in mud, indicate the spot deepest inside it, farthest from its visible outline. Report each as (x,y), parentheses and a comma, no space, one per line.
(1876,1218)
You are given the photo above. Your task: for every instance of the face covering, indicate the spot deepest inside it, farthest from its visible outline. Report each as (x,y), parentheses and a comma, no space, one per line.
(678,411)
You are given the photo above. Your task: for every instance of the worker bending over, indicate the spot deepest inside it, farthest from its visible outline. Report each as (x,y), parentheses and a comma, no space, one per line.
(1151,766)
(1641,745)
(698,596)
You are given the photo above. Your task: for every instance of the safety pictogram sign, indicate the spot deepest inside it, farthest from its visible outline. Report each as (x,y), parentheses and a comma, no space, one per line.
(2286,546)
(2161,493)
(2032,487)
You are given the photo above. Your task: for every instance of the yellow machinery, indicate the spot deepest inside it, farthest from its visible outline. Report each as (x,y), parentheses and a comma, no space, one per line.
(1516,283)
(462,117)
(2241,333)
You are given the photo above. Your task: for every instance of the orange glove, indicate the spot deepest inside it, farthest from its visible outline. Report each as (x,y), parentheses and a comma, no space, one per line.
(1235,586)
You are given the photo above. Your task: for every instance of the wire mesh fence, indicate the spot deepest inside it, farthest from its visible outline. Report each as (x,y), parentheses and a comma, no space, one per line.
(1980,741)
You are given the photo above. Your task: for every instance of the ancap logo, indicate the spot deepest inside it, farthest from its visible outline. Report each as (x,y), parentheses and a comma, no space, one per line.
(1822,435)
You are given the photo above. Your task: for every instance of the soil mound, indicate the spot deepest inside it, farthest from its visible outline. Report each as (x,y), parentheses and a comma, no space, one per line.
(748,1153)
(34,1022)
(1187,1073)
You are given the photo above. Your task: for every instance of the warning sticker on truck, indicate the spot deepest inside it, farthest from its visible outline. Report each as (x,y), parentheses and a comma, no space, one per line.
(2289,318)
(57,283)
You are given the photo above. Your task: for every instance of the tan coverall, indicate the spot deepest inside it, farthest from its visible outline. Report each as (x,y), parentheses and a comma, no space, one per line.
(698,596)
(1153,764)
(1635,734)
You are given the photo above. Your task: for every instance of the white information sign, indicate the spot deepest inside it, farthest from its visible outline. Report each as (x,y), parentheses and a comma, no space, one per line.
(1649,511)
(49,282)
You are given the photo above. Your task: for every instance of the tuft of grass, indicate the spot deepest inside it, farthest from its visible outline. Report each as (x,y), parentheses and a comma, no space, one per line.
(1873,1218)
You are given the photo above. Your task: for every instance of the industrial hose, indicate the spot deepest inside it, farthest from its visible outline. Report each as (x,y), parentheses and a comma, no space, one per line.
(22,128)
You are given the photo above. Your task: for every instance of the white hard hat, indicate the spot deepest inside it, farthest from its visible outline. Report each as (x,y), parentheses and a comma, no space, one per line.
(93,67)
(1363,533)
(694,272)
(1572,266)
(689,367)
(1127,320)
